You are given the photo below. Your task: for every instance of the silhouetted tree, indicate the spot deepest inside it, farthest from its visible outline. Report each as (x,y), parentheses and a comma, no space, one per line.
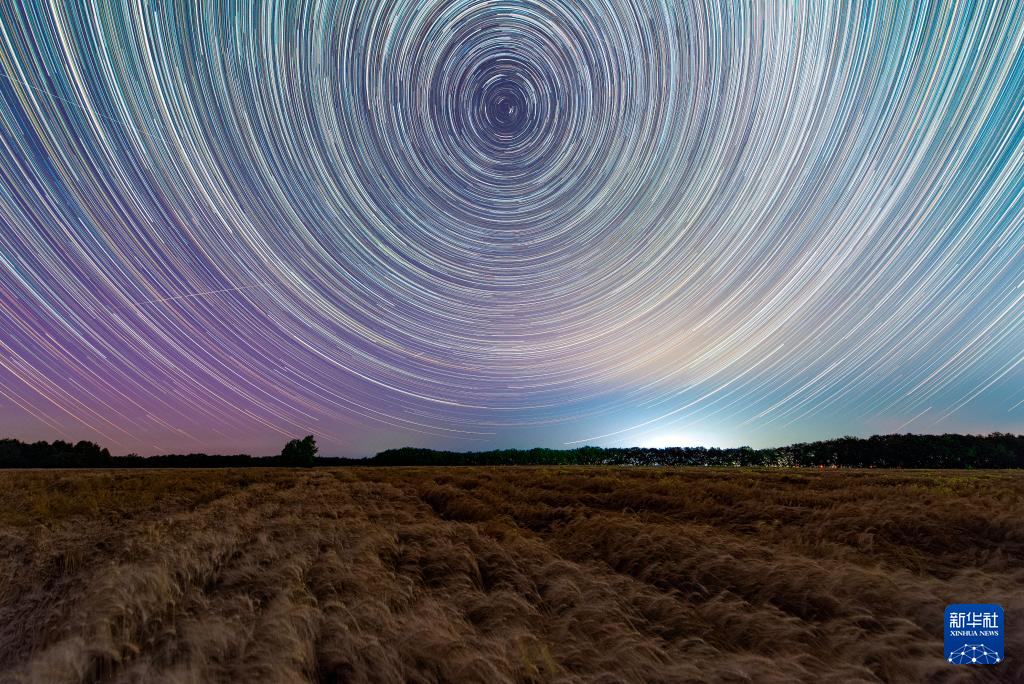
(300,452)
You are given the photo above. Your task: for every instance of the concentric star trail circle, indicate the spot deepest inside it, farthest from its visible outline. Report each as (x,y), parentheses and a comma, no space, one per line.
(463,223)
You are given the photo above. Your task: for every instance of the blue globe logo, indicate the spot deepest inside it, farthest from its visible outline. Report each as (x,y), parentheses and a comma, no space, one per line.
(970,654)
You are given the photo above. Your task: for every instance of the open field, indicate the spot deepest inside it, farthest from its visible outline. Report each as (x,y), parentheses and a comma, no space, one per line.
(517,574)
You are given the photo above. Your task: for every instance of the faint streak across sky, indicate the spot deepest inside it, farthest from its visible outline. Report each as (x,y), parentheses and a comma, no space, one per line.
(507,223)
(200,294)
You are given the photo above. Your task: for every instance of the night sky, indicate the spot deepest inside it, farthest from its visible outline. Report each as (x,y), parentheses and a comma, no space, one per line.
(471,224)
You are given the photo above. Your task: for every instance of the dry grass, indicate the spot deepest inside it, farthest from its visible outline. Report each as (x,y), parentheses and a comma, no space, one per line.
(491,575)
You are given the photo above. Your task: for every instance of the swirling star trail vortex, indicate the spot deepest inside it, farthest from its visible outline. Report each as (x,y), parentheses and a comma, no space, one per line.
(480,223)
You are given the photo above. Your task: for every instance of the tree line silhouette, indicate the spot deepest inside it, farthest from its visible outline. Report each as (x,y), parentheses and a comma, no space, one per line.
(996,450)
(59,454)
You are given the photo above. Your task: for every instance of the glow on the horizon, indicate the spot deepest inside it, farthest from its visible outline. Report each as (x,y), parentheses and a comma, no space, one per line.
(664,440)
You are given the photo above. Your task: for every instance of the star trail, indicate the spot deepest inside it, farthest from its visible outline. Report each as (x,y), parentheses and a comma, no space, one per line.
(471,224)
